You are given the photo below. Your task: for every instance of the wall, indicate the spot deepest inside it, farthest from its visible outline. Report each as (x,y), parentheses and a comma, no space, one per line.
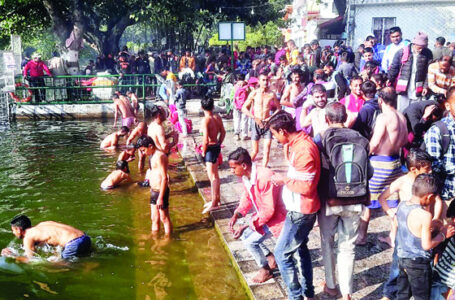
(434,18)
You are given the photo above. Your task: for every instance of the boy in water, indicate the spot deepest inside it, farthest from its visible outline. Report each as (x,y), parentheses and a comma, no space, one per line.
(157,132)
(158,180)
(121,173)
(414,239)
(140,130)
(213,136)
(75,242)
(111,141)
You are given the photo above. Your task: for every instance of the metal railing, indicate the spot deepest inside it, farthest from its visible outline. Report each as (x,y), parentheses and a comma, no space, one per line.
(69,89)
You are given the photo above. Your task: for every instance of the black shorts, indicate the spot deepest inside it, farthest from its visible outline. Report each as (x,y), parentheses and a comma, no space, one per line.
(258,132)
(154,197)
(213,151)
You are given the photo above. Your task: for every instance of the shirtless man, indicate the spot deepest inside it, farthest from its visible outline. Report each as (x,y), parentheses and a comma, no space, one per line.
(158,180)
(292,91)
(134,101)
(264,102)
(277,83)
(111,141)
(157,131)
(390,134)
(121,173)
(74,242)
(213,136)
(140,130)
(122,104)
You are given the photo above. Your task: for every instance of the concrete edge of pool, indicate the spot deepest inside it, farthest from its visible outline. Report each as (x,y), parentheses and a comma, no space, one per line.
(241,260)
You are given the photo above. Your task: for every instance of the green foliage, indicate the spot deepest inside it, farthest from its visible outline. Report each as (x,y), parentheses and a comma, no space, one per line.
(259,35)
(42,42)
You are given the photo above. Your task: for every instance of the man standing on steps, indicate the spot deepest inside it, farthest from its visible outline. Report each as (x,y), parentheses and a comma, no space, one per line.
(270,212)
(264,103)
(302,203)
(390,134)
(122,104)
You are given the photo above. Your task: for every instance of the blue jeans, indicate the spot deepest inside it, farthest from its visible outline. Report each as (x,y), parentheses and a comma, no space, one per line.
(253,241)
(293,257)
(390,287)
(438,288)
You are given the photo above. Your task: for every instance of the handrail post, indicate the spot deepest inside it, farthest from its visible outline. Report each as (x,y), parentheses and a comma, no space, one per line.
(143,87)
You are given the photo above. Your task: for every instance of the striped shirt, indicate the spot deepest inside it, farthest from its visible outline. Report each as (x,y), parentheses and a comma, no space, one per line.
(446,265)
(440,82)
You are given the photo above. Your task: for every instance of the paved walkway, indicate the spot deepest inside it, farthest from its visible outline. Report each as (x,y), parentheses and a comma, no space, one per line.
(372,261)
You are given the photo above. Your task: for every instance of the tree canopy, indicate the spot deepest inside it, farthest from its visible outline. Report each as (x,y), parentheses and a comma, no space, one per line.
(177,22)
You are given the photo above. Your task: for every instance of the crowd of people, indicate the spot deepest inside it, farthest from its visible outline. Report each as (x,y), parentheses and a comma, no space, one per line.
(361,130)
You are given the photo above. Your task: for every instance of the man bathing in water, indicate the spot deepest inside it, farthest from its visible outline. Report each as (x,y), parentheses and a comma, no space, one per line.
(214,133)
(264,102)
(111,141)
(134,101)
(156,130)
(74,242)
(120,174)
(389,136)
(140,130)
(159,184)
(122,104)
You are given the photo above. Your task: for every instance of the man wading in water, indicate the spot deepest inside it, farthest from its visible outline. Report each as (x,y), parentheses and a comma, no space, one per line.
(74,242)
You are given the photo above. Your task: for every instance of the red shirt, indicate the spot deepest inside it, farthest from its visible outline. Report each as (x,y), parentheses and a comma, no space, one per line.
(36,68)
(300,190)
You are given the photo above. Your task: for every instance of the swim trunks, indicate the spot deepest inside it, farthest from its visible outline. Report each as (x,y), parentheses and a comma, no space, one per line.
(154,197)
(386,170)
(78,247)
(128,122)
(213,151)
(258,132)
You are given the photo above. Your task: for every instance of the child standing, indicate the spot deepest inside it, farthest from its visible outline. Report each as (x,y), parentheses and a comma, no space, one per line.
(414,240)
(240,95)
(213,136)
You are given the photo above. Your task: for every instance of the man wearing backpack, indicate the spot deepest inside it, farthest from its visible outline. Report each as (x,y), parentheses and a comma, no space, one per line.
(343,190)
(435,137)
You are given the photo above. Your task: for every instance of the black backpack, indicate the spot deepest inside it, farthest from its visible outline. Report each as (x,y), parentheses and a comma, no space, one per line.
(349,167)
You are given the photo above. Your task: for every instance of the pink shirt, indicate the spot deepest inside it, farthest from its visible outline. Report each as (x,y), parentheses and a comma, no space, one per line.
(353,104)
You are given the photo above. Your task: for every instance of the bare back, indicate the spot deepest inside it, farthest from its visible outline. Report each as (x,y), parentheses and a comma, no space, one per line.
(124,106)
(213,129)
(390,134)
(52,233)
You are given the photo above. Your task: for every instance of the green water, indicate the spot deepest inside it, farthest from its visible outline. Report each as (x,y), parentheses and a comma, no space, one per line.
(52,171)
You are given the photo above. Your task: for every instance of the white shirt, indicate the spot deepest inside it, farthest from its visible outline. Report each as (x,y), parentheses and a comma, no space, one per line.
(389,53)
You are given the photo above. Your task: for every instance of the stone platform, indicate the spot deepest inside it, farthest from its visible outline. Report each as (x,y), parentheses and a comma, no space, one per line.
(372,261)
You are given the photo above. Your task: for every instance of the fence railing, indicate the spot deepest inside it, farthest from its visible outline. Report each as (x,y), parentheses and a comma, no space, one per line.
(93,88)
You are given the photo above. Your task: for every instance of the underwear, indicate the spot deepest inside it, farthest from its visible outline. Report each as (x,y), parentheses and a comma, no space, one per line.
(78,247)
(154,197)
(128,122)
(213,151)
(386,170)
(258,132)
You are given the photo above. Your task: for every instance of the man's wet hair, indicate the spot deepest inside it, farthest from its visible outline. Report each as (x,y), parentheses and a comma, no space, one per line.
(21,221)
(282,120)
(425,184)
(336,113)
(124,129)
(389,96)
(122,164)
(368,88)
(240,156)
(155,112)
(395,29)
(418,158)
(144,141)
(318,88)
(207,104)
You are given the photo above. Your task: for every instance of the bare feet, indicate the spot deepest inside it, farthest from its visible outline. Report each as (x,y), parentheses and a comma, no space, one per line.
(263,275)
(271,261)
(387,240)
(209,206)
